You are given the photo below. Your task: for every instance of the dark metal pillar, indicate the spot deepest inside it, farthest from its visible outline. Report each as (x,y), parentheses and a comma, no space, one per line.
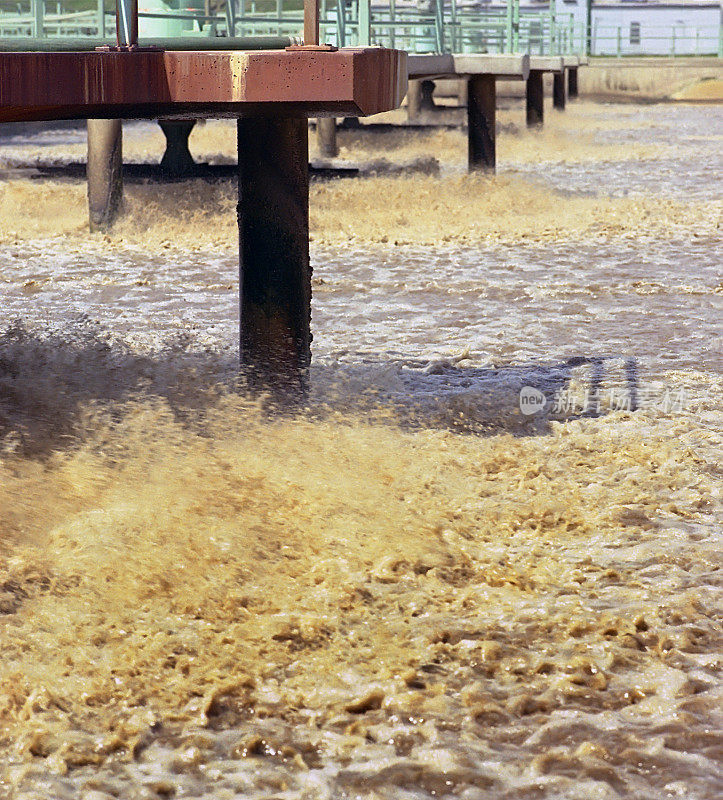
(326,137)
(275,274)
(481,123)
(558,90)
(414,99)
(535,99)
(426,101)
(572,82)
(104,172)
(177,161)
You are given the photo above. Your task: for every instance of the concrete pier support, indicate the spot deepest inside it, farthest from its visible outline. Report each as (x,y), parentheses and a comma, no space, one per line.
(177,161)
(414,99)
(104,172)
(572,82)
(462,93)
(326,137)
(275,274)
(427,100)
(558,90)
(481,103)
(535,99)
(420,98)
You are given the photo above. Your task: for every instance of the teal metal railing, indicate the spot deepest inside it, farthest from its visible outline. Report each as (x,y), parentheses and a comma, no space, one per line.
(418,26)
(431,27)
(434,26)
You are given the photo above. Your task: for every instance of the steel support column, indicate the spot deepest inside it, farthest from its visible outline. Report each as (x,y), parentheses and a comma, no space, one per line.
(177,161)
(326,137)
(104,171)
(275,274)
(481,123)
(572,82)
(558,90)
(535,99)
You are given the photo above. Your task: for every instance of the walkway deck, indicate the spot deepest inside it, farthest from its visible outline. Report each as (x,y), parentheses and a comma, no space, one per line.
(152,83)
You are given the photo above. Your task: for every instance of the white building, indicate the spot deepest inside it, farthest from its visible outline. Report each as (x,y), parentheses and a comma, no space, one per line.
(656,27)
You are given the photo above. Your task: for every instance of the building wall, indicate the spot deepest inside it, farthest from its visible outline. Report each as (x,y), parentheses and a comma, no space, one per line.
(649,28)
(664,30)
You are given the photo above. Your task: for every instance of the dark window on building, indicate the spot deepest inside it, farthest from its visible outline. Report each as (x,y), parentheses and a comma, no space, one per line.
(634,33)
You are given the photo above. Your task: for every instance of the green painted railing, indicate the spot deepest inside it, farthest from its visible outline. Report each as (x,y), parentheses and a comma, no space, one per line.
(431,27)
(418,26)
(424,27)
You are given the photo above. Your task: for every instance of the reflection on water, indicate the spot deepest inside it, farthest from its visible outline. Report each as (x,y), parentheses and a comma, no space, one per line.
(411,588)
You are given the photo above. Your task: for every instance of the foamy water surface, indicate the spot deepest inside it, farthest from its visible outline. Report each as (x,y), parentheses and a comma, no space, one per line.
(408,589)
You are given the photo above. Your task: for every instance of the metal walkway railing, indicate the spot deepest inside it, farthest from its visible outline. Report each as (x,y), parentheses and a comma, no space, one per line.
(418,26)
(426,26)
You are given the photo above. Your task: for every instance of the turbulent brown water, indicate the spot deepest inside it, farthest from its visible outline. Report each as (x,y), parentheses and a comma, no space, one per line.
(408,589)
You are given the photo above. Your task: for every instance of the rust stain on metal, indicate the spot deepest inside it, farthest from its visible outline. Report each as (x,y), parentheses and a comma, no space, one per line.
(239,66)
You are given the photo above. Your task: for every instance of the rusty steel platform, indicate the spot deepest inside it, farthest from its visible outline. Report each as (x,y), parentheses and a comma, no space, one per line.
(147,84)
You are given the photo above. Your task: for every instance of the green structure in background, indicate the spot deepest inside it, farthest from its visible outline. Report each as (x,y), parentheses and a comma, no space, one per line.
(423,27)
(418,26)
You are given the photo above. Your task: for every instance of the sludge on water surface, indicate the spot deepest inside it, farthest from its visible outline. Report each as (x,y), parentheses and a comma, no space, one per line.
(404,589)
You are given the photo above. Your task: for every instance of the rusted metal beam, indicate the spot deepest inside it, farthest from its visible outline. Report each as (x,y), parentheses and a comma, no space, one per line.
(152,84)
(275,275)
(481,102)
(535,99)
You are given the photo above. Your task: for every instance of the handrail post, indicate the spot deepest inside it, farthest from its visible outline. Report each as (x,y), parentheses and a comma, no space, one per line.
(515,25)
(38,18)
(439,24)
(589,34)
(508,30)
(231,17)
(126,22)
(593,39)
(571,33)
(365,23)
(100,11)
(393,19)
(311,22)
(340,24)
(453,22)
